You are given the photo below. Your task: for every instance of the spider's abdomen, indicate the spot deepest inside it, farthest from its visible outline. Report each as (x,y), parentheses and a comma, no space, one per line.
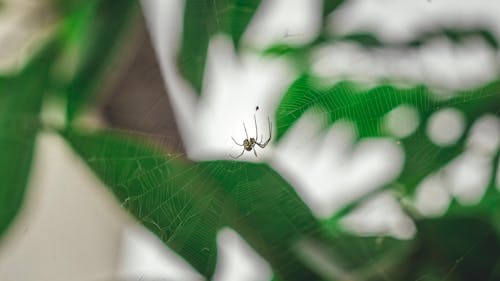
(247,145)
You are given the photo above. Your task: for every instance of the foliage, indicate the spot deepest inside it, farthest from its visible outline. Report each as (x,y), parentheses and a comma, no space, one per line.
(203,19)
(20,103)
(367,108)
(22,94)
(185,203)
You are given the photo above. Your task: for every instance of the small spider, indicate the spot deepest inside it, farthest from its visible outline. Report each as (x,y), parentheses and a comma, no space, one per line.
(249,143)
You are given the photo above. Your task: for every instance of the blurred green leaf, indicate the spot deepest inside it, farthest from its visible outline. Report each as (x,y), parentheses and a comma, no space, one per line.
(370,40)
(302,52)
(20,104)
(186,203)
(241,15)
(97,29)
(457,36)
(202,20)
(371,258)
(200,23)
(453,248)
(367,109)
(281,49)
(65,7)
(454,35)
(163,192)
(267,212)
(364,39)
(488,207)
(330,5)
(461,247)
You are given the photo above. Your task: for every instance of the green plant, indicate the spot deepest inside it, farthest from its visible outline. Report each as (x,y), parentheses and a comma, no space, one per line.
(185,203)
(67,68)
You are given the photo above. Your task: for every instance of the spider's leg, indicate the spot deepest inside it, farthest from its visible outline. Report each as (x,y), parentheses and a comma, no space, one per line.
(256,132)
(262,145)
(255,152)
(270,127)
(244,127)
(236,157)
(236,142)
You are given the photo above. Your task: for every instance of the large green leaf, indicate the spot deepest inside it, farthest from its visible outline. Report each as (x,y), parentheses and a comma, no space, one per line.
(453,248)
(20,103)
(65,7)
(367,108)
(331,5)
(454,35)
(241,15)
(488,208)
(267,212)
(96,28)
(370,40)
(203,19)
(355,257)
(463,244)
(186,203)
(163,192)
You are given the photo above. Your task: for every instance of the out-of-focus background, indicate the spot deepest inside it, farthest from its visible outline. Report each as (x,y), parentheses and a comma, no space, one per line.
(185,75)
(70,227)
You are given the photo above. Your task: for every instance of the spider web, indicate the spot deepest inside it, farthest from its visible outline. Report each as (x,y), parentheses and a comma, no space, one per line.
(367,109)
(181,204)
(185,203)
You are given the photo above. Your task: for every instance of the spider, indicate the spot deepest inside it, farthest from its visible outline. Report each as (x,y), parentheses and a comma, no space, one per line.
(249,143)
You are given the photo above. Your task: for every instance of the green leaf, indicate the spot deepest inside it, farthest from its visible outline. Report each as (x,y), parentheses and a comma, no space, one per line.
(459,247)
(267,212)
(364,39)
(330,5)
(488,207)
(98,31)
(67,6)
(457,36)
(240,17)
(20,103)
(371,258)
(186,203)
(202,20)
(199,24)
(369,40)
(454,35)
(453,248)
(163,192)
(367,108)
